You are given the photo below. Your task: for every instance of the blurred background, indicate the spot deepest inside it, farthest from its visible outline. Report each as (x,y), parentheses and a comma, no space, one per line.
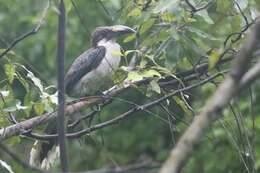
(176,39)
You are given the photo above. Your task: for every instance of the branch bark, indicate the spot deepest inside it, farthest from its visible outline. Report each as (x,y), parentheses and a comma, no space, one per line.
(212,110)
(61,90)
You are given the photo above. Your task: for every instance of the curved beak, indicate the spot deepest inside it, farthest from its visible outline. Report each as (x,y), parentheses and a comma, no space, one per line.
(121,30)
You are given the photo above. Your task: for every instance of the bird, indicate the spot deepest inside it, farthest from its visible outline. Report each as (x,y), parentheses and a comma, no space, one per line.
(90,73)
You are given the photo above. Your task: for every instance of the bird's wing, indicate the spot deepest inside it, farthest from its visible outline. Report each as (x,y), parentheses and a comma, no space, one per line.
(83,64)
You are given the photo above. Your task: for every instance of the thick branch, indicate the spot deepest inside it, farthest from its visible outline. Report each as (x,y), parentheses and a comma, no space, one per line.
(212,110)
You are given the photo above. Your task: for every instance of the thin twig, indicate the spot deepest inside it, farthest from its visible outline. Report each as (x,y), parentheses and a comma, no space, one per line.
(126,114)
(24,36)
(212,110)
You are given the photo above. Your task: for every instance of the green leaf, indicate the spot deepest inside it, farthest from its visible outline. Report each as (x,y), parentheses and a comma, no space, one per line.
(119,76)
(146,25)
(184,63)
(202,34)
(151,73)
(135,12)
(213,59)
(204,14)
(36,81)
(134,76)
(224,6)
(168,17)
(143,63)
(11,106)
(129,38)
(155,86)
(10,72)
(28,103)
(38,108)
(182,104)
(14,141)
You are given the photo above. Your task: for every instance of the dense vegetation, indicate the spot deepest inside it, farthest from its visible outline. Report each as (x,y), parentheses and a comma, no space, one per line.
(175,39)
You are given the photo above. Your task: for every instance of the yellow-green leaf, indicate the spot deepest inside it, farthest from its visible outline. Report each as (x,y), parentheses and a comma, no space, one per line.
(38,108)
(155,86)
(134,13)
(213,59)
(146,25)
(129,38)
(134,76)
(10,72)
(182,105)
(151,73)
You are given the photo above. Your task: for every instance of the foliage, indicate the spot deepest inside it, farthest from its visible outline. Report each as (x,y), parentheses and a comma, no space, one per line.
(173,37)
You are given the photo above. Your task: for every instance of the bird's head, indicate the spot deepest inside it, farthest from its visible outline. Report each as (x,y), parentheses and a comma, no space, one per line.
(110,32)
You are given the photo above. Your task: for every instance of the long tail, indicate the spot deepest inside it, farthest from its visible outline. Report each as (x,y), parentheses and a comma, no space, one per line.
(44,155)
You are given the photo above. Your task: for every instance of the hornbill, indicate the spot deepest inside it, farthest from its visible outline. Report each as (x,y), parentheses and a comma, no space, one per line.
(89,74)
(92,71)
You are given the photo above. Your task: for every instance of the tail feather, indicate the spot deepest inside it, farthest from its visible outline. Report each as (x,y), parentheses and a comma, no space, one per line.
(41,159)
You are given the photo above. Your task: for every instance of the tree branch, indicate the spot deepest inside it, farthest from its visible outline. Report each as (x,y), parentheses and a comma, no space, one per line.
(61,90)
(212,110)
(74,106)
(24,36)
(127,114)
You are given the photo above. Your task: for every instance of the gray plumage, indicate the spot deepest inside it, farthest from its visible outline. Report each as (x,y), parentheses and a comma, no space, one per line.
(87,61)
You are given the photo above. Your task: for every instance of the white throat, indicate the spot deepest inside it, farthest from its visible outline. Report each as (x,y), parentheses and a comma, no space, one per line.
(105,42)
(112,50)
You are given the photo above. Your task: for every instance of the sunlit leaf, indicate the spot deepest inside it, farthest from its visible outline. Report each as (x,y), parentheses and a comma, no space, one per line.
(10,72)
(36,81)
(38,108)
(151,73)
(134,76)
(135,12)
(11,106)
(167,17)
(155,86)
(129,38)
(213,59)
